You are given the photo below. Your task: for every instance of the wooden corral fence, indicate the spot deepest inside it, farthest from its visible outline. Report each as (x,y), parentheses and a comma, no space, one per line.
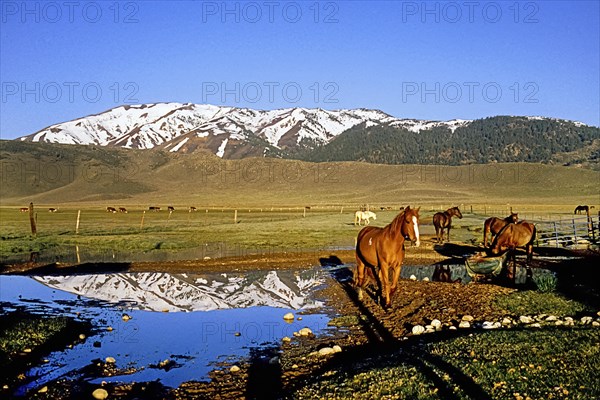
(568,231)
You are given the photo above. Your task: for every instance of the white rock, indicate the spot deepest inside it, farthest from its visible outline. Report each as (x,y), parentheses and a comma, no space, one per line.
(305,332)
(437,324)
(234,368)
(326,351)
(452,328)
(426,279)
(429,328)
(534,325)
(558,322)
(286,339)
(551,318)
(413,278)
(418,329)
(110,360)
(289,317)
(595,323)
(586,320)
(464,324)
(337,348)
(100,394)
(569,319)
(524,319)
(125,317)
(43,390)
(467,318)
(81,336)
(506,321)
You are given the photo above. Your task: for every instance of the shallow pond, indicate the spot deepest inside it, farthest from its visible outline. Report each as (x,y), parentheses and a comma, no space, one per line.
(193,320)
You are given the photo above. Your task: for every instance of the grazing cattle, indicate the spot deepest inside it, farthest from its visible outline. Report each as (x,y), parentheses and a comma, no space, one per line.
(365,216)
(381,250)
(52,209)
(123,210)
(307,208)
(111,209)
(585,208)
(192,209)
(23,209)
(513,236)
(155,209)
(170,208)
(494,225)
(443,220)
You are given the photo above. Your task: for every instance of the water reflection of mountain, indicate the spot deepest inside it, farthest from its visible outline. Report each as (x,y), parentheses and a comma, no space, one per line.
(195,292)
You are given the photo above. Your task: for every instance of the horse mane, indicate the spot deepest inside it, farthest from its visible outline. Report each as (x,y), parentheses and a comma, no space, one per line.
(396,223)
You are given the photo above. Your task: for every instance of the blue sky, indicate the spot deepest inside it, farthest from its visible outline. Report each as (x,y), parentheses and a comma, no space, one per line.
(411,59)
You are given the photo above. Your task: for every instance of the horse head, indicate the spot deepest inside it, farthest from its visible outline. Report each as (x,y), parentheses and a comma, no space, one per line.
(514,217)
(456,212)
(410,225)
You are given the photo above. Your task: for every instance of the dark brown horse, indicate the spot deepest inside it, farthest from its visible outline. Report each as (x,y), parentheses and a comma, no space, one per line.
(585,209)
(443,220)
(381,250)
(513,236)
(494,225)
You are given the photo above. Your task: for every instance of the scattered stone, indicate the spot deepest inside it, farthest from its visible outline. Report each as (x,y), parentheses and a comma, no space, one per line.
(418,330)
(110,360)
(586,320)
(165,310)
(534,325)
(437,324)
(100,394)
(558,322)
(109,328)
(551,318)
(452,328)
(288,317)
(286,339)
(299,318)
(595,323)
(491,325)
(413,278)
(234,368)
(569,321)
(337,349)
(467,318)
(43,390)
(274,360)
(305,332)
(27,350)
(206,258)
(82,337)
(294,366)
(524,319)
(164,363)
(125,317)
(326,351)
(464,324)
(426,279)
(45,361)
(506,321)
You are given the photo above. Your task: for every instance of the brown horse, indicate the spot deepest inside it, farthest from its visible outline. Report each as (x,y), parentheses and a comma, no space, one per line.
(585,209)
(443,220)
(494,225)
(513,236)
(382,251)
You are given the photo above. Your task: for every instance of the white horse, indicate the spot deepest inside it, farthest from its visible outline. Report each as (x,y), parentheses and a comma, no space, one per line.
(365,216)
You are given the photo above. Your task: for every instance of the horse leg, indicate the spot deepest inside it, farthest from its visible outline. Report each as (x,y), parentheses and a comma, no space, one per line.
(448,232)
(384,277)
(359,280)
(395,276)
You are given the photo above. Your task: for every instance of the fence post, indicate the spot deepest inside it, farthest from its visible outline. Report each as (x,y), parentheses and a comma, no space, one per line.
(32,220)
(574,230)
(235,217)
(555,233)
(77,225)
(142,223)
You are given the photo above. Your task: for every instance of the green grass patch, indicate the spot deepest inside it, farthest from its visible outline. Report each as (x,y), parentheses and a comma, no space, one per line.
(505,364)
(535,302)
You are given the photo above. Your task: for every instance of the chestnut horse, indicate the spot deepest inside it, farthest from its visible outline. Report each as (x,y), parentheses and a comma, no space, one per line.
(494,225)
(382,251)
(511,237)
(443,220)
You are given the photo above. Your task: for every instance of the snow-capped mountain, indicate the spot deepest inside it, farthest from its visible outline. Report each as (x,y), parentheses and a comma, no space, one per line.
(191,292)
(226,131)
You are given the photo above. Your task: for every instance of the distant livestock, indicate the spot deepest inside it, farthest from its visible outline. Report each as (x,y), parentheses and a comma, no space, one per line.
(192,209)
(364,216)
(579,209)
(123,210)
(52,209)
(171,208)
(23,209)
(156,209)
(111,209)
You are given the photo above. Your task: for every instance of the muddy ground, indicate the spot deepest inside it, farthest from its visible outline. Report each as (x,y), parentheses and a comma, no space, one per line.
(362,329)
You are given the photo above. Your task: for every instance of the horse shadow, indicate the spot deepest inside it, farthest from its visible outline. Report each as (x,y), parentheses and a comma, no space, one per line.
(455,250)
